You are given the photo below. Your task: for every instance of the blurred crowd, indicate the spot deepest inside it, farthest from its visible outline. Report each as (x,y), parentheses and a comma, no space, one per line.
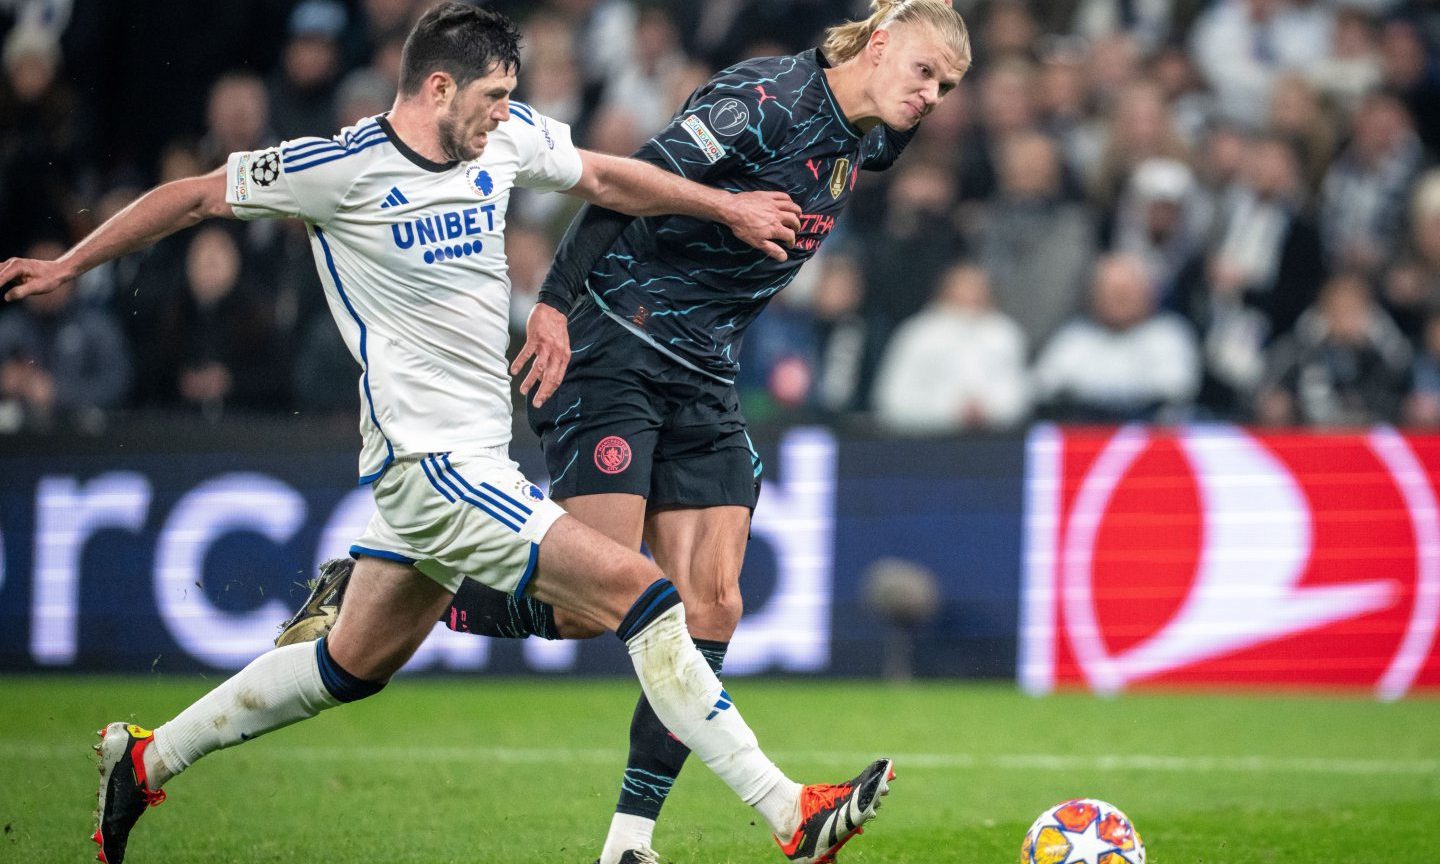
(1130,209)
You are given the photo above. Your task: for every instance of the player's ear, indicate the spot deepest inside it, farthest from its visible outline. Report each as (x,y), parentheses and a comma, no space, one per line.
(877,46)
(441,88)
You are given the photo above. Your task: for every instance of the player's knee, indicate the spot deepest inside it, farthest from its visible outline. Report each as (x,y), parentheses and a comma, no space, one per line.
(339,682)
(715,614)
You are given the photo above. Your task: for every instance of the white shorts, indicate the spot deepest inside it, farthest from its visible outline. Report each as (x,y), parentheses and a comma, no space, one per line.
(456,516)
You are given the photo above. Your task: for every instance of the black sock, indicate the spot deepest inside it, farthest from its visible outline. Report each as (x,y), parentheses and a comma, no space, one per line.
(482,610)
(656,756)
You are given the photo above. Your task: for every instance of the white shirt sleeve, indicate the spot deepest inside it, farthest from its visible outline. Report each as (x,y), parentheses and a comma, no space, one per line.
(549,160)
(299,178)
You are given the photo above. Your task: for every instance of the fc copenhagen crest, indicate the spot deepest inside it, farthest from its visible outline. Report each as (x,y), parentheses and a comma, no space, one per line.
(838,177)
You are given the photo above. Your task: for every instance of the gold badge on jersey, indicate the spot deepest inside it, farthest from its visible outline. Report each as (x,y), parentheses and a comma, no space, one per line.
(838,177)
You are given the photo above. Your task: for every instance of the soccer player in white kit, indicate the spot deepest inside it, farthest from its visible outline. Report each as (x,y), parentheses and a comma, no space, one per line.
(406,214)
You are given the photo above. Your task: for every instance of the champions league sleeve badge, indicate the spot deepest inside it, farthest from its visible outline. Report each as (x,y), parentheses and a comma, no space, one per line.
(728,117)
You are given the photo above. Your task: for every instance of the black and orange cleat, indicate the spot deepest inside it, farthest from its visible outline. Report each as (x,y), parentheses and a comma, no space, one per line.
(123,794)
(831,814)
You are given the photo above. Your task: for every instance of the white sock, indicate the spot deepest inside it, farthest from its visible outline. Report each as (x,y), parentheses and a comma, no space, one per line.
(627,831)
(278,688)
(781,808)
(686,696)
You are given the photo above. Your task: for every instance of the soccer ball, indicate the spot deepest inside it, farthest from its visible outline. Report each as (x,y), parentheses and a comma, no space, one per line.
(1082,830)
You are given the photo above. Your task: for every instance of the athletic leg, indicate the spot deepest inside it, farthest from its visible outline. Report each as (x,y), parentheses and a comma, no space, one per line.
(479,609)
(580,569)
(701,549)
(389,610)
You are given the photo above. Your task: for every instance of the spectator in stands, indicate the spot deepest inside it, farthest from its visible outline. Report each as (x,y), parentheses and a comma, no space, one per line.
(1297,114)
(959,364)
(1423,402)
(37,140)
(1145,21)
(302,95)
(1265,268)
(1422,406)
(1345,364)
(378,22)
(1354,65)
(906,254)
(645,85)
(1191,105)
(1125,361)
(840,334)
(1408,67)
(237,117)
(1268,251)
(1140,128)
(216,344)
(1366,190)
(59,360)
(1006,107)
(1412,285)
(1163,221)
(1035,246)
(362,93)
(1241,46)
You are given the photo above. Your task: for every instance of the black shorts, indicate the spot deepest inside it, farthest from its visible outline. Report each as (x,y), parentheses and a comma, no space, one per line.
(627,418)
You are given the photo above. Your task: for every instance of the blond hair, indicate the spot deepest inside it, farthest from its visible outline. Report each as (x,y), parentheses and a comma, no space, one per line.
(845,41)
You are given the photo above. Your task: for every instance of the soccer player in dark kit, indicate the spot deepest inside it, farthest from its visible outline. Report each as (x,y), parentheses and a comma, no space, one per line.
(643,435)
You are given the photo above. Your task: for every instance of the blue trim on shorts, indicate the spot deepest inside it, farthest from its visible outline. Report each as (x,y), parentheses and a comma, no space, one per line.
(529,570)
(356,549)
(479,505)
(485,496)
(521,507)
(429,475)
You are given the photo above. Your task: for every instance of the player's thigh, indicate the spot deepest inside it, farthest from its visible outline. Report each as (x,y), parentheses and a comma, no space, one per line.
(702,550)
(582,571)
(618,515)
(389,609)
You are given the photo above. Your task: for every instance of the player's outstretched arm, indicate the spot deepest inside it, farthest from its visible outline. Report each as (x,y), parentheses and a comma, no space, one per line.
(156,214)
(766,220)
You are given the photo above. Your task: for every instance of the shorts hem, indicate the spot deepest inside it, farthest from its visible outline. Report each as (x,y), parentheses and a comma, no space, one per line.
(358,550)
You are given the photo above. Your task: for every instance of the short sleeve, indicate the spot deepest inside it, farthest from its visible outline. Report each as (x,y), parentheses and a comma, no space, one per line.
(729,122)
(298,178)
(549,161)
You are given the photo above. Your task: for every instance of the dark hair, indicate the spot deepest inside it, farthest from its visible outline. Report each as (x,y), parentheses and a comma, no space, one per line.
(465,41)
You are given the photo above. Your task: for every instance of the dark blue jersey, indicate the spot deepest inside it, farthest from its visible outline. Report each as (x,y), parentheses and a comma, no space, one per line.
(690,287)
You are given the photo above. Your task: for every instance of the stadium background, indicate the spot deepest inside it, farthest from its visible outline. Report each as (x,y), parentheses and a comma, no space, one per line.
(1210,478)
(1204,217)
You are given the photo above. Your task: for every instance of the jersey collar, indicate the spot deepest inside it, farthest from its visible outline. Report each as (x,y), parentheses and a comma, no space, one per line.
(405,150)
(816,56)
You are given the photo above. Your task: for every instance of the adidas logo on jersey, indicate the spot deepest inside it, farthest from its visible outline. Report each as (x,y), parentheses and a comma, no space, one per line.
(394,198)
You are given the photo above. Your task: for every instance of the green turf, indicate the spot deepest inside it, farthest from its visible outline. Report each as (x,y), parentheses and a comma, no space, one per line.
(485,770)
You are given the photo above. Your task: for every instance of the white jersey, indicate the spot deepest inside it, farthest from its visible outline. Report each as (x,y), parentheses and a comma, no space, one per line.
(412,257)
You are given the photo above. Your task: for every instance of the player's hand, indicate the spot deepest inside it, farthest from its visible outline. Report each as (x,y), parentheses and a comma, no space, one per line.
(32,277)
(766,220)
(547,340)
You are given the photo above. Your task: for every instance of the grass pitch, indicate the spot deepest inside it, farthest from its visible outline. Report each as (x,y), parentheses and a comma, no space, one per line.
(519,771)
